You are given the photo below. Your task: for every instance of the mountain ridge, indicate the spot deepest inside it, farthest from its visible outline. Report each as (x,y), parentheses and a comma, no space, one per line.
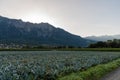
(103,38)
(17,31)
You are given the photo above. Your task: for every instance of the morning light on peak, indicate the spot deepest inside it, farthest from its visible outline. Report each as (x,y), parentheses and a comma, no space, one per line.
(38,18)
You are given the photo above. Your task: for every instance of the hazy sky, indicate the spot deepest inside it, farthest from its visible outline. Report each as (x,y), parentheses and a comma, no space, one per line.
(81,17)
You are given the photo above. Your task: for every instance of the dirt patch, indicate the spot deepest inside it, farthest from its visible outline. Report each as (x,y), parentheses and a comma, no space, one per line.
(114,75)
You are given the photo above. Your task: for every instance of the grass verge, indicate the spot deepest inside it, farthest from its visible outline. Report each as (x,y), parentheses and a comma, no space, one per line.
(93,73)
(64,49)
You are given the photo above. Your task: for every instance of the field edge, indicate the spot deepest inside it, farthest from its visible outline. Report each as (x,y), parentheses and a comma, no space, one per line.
(93,73)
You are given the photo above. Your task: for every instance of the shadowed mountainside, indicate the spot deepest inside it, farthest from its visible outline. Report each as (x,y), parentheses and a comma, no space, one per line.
(17,31)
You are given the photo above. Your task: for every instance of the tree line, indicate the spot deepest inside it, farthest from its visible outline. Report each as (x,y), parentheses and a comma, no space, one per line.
(49,47)
(115,43)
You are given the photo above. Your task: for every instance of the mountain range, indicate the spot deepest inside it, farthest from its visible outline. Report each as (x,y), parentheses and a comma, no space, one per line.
(20,32)
(103,38)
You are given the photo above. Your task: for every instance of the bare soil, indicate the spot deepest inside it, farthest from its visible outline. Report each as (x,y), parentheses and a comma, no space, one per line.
(114,75)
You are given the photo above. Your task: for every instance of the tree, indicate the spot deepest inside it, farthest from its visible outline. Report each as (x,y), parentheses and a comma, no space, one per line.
(115,43)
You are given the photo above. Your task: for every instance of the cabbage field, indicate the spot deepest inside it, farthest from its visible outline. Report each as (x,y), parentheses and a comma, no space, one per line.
(48,65)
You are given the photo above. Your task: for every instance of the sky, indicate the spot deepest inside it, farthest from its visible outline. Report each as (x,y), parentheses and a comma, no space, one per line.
(80,17)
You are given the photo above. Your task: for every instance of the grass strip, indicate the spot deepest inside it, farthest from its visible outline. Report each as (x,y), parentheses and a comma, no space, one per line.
(93,73)
(64,49)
